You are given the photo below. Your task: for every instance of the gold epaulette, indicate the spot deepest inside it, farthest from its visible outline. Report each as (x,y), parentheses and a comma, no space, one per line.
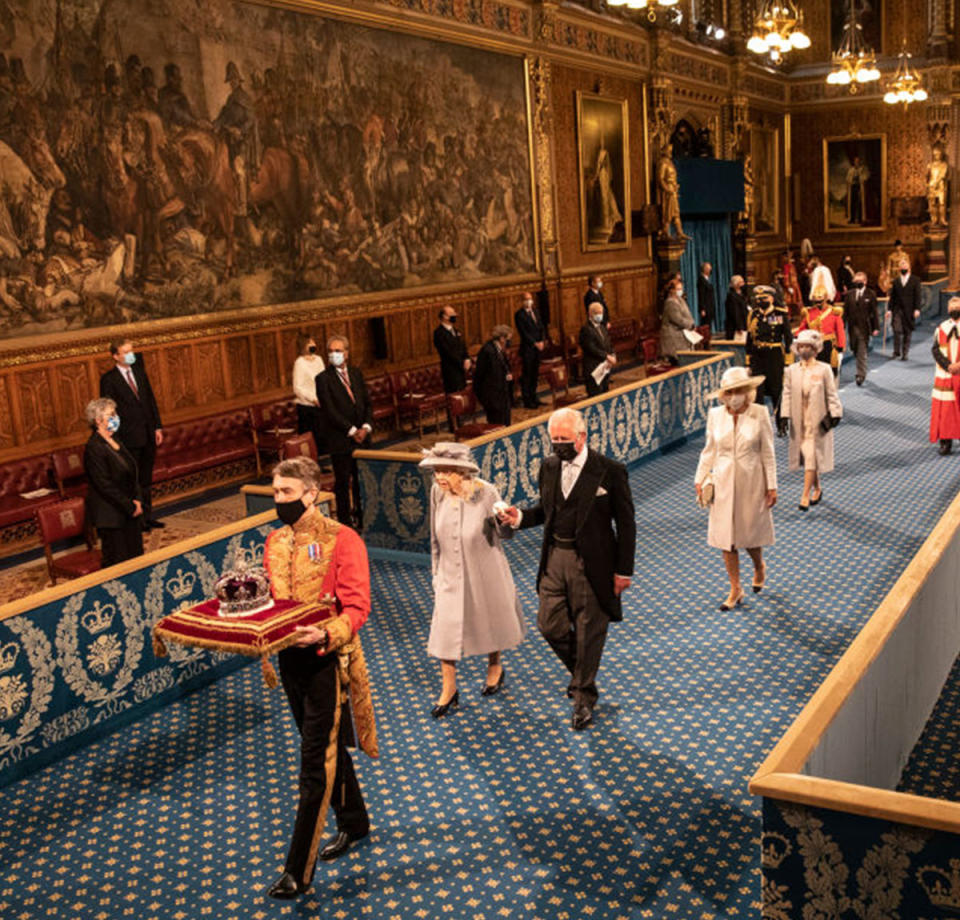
(838,311)
(804,313)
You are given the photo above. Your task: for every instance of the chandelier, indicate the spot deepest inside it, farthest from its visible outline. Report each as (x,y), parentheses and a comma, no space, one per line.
(854,61)
(777,29)
(906,85)
(649,5)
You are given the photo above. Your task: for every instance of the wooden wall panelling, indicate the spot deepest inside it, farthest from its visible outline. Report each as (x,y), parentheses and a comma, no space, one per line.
(266,360)
(72,393)
(37,412)
(211,381)
(239,365)
(176,378)
(8,434)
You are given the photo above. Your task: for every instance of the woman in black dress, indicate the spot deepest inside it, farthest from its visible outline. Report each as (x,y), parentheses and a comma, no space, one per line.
(113,496)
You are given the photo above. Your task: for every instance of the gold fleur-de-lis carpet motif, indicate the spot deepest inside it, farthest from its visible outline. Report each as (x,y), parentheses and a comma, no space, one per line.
(500,810)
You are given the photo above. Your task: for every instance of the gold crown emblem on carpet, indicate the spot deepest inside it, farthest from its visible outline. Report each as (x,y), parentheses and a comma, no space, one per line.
(8,656)
(181,585)
(942,888)
(244,589)
(97,620)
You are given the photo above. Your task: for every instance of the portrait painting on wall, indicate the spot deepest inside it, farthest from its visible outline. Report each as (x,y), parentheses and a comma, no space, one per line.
(159,164)
(855,182)
(765,154)
(869,13)
(604,161)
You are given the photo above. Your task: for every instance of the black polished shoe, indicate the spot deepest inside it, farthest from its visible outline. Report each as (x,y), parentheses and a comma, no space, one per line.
(945,448)
(581,718)
(337,845)
(489,690)
(286,888)
(441,709)
(569,693)
(155,525)
(859,381)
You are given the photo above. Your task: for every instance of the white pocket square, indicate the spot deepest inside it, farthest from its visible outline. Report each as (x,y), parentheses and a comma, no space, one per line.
(601,490)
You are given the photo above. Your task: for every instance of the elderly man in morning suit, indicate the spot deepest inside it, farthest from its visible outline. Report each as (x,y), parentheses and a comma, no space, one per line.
(589,538)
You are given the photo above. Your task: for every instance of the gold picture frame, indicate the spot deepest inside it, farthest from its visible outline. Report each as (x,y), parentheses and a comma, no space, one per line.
(603,160)
(765,152)
(855,183)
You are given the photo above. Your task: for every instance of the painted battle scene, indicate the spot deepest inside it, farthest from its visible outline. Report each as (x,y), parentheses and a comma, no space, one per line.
(164,158)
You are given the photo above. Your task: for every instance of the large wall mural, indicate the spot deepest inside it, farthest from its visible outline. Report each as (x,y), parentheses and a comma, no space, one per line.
(158,162)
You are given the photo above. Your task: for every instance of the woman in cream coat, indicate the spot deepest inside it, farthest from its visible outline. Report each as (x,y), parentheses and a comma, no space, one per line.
(739,457)
(812,407)
(476,608)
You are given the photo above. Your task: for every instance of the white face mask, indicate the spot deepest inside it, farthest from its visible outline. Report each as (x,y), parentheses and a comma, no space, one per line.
(679,292)
(336,358)
(596,318)
(736,401)
(528,304)
(805,353)
(599,285)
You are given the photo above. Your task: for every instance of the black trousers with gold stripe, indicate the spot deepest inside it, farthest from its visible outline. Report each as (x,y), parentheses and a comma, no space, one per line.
(312,685)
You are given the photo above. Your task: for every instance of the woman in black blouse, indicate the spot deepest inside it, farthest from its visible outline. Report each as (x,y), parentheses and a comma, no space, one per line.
(113,497)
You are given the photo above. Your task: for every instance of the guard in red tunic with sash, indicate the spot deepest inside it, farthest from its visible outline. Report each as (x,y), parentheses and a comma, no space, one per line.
(944,409)
(823,317)
(310,558)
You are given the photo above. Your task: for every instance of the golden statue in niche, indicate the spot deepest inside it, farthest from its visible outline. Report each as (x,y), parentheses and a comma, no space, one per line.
(937,173)
(668,190)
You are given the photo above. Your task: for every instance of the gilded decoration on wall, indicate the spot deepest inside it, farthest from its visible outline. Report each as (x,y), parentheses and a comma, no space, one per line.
(604,162)
(854,182)
(159,164)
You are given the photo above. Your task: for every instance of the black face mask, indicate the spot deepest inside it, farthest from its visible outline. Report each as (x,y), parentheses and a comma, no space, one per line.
(312,349)
(451,319)
(904,271)
(565,450)
(291,512)
(955,315)
(858,284)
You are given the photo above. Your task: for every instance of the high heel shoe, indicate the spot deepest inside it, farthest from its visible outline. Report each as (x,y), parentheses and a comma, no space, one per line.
(493,690)
(759,583)
(804,507)
(732,601)
(816,501)
(441,708)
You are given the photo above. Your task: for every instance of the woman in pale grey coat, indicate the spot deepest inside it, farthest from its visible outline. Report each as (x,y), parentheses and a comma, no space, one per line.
(676,319)
(476,609)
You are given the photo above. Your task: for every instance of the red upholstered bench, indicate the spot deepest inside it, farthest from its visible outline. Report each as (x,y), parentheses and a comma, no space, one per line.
(21,476)
(383,402)
(270,424)
(201,444)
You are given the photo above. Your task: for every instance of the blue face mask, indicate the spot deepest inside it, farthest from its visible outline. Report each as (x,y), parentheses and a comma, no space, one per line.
(336,358)
(130,358)
(113,424)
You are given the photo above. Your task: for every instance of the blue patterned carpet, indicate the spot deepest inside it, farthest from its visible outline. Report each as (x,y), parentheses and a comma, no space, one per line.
(501,811)
(933,768)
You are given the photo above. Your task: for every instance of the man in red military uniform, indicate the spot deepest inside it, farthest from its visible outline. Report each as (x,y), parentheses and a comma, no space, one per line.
(944,409)
(310,558)
(827,319)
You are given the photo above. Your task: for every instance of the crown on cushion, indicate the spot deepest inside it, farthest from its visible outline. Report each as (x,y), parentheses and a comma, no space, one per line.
(243,590)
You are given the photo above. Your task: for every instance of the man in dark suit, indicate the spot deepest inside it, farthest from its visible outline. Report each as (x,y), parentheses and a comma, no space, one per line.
(454,361)
(595,295)
(860,310)
(533,338)
(141,430)
(589,537)
(735,308)
(906,298)
(342,393)
(597,349)
(706,298)
(492,379)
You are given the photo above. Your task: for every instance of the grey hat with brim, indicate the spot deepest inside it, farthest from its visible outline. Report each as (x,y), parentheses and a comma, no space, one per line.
(449,455)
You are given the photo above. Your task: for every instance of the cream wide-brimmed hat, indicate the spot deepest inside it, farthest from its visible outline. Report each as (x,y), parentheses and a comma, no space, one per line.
(808,337)
(734,378)
(449,455)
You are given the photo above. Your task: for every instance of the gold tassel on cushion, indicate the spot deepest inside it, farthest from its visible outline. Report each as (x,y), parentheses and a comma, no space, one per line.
(269,674)
(159,647)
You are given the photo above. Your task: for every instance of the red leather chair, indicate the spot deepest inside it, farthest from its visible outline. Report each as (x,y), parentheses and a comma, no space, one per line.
(705,332)
(652,362)
(301,445)
(419,393)
(463,404)
(559,379)
(270,425)
(623,337)
(61,521)
(68,471)
(574,356)
(17,477)
(383,402)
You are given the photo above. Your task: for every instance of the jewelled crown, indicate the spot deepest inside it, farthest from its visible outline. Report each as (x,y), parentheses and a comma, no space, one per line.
(243,590)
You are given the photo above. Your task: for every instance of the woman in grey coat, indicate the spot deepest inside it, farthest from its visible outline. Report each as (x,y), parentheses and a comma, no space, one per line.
(676,319)
(476,609)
